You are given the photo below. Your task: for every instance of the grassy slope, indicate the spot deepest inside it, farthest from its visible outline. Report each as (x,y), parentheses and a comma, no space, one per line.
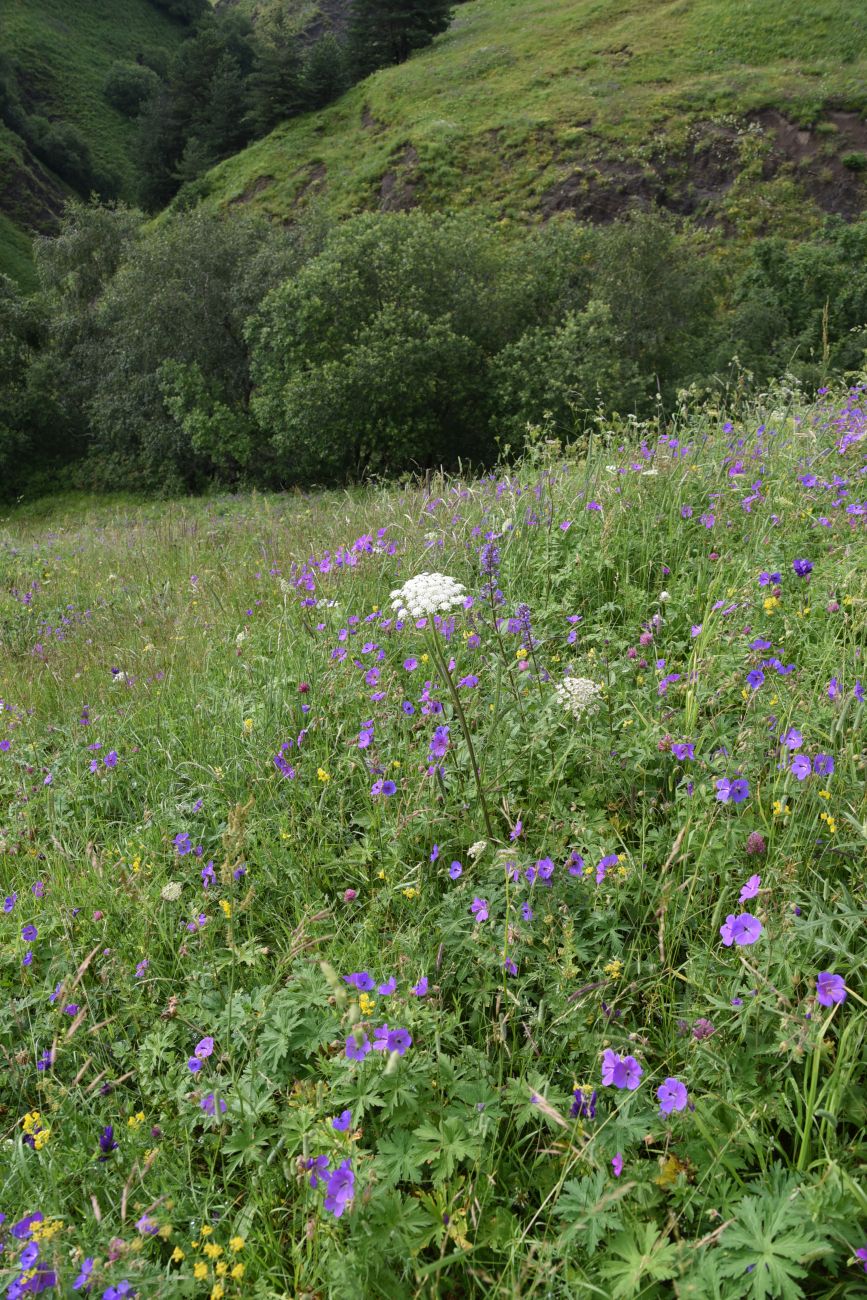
(63,54)
(630,961)
(502,105)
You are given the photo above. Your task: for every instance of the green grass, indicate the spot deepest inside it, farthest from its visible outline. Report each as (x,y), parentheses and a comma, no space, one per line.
(505,104)
(16,258)
(193,640)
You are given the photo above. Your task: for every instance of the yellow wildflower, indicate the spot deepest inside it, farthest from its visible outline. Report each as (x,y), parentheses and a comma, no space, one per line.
(410,892)
(213,1249)
(248,726)
(200,1270)
(236,1244)
(613,969)
(366,1003)
(227,908)
(135,1121)
(322,774)
(177,1255)
(770,603)
(238,1272)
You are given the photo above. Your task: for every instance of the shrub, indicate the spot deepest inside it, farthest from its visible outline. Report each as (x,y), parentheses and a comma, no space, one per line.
(128,86)
(375,355)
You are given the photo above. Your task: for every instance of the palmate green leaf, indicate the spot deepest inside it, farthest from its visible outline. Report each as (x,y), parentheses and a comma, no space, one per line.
(773,1238)
(641,1256)
(400,1157)
(447,1145)
(591,1207)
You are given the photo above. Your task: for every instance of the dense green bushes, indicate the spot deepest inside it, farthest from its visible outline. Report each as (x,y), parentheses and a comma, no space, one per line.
(226,349)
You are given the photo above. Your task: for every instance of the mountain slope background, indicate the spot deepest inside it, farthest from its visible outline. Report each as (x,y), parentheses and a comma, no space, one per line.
(733,111)
(58,56)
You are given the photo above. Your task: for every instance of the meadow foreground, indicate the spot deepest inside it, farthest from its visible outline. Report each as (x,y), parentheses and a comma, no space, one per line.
(448,892)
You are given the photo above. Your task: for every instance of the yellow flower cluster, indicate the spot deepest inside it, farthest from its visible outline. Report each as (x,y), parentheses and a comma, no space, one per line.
(33,1128)
(223,1268)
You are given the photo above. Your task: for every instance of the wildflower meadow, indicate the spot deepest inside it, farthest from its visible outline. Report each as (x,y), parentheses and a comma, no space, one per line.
(454,888)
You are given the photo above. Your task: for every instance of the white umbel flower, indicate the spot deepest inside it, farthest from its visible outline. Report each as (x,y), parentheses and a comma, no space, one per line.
(172,891)
(579,695)
(427,594)
(476,850)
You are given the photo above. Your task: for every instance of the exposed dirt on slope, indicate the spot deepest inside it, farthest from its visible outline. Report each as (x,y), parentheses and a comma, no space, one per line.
(398,188)
(823,159)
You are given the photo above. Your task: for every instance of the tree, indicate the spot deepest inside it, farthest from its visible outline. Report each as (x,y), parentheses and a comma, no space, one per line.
(276,83)
(128,86)
(325,75)
(387,31)
(375,354)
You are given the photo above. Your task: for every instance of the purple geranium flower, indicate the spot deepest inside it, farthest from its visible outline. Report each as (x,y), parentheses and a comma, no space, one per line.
(210,1104)
(823,765)
(742,930)
(357,1050)
(391,1040)
(318,1167)
(339,1189)
(360,980)
(830,988)
(479,909)
(672,1096)
(750,889)
(801,767)
(342,1121)
(731,791)
(420,989)
(802,567)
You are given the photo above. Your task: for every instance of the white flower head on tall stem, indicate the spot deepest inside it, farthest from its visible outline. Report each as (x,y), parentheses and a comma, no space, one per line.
(427,594)
(579,696)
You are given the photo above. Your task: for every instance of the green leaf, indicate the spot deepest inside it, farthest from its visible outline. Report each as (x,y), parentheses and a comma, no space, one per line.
(641,1254)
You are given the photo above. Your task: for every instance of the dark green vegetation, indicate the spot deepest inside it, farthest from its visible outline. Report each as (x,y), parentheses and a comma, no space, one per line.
(59,133)
(208,349)
(137,105)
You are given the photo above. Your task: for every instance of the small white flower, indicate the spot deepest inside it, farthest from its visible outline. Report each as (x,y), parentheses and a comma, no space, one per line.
(172,891)
(118,678)
(476,850)
(664,597)
(579,696)
(427,594)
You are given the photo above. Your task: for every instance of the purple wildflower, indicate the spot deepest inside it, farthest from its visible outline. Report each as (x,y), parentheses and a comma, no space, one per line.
(830,988)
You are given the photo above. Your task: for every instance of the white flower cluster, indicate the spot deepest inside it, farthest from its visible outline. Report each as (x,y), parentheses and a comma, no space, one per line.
(476,850)
(579,695)
(172,891)
(427,594)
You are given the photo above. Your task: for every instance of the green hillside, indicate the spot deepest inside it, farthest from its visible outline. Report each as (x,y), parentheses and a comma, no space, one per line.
(60,55)
(734,110)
